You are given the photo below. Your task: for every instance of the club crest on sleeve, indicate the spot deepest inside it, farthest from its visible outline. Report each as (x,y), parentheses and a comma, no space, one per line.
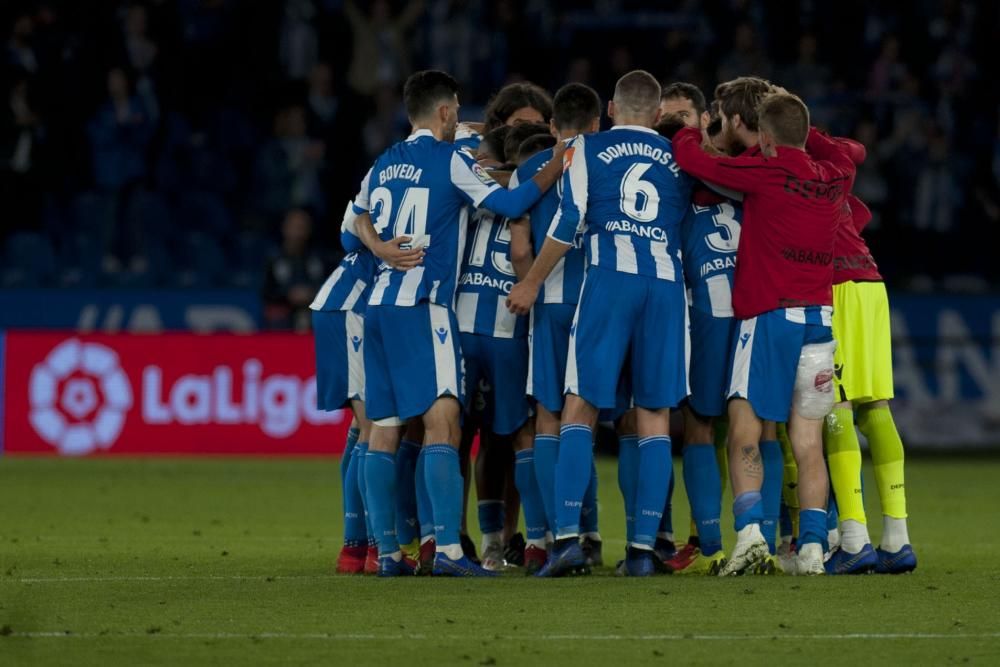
(482,174)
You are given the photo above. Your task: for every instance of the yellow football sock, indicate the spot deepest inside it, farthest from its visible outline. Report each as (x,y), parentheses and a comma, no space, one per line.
(843,455)
(790,488)
(887,454)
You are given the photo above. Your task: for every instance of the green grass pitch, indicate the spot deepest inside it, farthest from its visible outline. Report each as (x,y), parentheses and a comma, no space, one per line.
(180,562)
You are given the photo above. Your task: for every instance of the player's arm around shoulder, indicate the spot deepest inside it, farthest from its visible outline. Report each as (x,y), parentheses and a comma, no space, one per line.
(739,173)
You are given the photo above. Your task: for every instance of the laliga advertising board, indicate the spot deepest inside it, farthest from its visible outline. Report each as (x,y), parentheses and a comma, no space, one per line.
(164,394)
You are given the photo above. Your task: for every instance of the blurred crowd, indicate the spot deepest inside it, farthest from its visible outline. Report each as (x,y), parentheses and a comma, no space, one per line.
(203,143)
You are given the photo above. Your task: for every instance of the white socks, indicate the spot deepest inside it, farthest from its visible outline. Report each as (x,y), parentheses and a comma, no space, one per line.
(452,551)
(853,536)
(894,534)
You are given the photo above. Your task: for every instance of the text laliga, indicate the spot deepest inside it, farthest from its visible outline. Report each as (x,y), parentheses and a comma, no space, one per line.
(277,403)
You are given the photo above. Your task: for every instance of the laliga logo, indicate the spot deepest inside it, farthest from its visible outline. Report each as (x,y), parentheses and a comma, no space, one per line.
(95,395)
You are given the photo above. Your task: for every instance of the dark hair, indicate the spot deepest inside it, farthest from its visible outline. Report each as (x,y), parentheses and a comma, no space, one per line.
(669,126)
(424,90)
(494,140)
(516,96)
(742,96)
(786,118)
(518,133)
(637,92)
(687,91)
(534,144)
(575,107)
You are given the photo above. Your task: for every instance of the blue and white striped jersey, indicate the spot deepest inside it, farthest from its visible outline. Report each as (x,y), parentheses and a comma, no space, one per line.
(422,188)
(711,234)
(467,138)
(486,278)
(348,287)
(564,283)
(627,188)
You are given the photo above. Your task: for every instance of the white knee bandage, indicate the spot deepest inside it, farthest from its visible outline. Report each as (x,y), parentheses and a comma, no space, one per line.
(814,397)
(389,421)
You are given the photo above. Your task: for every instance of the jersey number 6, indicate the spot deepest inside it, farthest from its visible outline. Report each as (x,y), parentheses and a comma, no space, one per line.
(639,199)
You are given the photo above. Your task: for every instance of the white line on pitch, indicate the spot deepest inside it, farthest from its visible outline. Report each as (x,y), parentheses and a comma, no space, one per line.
(542,638)
(207,577)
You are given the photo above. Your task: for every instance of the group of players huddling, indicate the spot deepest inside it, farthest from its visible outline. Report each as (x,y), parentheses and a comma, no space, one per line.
(528,277)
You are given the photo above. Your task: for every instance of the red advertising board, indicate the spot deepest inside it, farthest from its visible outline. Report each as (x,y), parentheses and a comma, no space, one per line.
(164,394)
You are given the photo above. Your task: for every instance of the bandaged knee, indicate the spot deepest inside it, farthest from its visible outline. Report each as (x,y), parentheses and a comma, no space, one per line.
(814,397)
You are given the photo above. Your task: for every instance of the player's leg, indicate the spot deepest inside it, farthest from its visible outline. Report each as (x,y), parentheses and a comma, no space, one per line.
(811,402)
(628,467)
(840,439)
(790,489)
(490,469)
(704,492)
(762,376)
(658,370)
(773,463)
(535,522)
(381,485)
(876,423)
(597,348)
(425,513)
(548,349)
(894,553)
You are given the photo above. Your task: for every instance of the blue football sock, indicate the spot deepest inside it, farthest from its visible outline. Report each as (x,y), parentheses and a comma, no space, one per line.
(748,507)
(361,451)
(425,513)
(546,455)
(628,478)
(491,516)
(812,527)
(832,513)
(443,478)
(407,524)
(655,472)
(576,454)
(704,492)
(770,490)
(380,479)
(355,530)
(588,513)
(667,520)
(531,498)
(345,458)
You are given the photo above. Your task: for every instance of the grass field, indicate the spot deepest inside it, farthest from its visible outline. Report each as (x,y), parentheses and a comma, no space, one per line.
(229,562)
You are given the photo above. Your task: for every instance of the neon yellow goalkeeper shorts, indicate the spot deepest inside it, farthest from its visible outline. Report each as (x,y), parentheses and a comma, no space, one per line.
(863,360)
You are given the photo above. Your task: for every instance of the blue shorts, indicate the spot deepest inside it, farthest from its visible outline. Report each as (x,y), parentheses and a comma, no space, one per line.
(340,368)
(548,343)
(765,356)
(634,323)
(711,348)
(412,358)
(497,369)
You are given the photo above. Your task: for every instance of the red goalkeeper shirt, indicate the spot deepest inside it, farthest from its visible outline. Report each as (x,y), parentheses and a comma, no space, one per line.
(852,260)
(791,208)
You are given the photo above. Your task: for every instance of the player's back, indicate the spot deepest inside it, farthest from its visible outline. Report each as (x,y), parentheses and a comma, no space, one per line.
(349,285)
(486,279)
(786,249)
(711,235)
(636,197)
(563,283)
(412,193)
